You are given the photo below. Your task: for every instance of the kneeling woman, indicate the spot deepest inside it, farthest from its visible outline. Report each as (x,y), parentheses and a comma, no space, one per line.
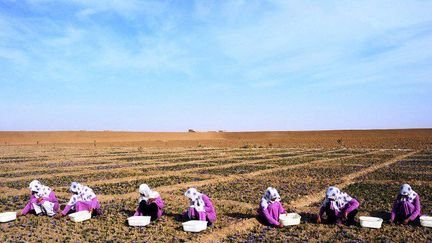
(42,200)
(150,203)
(406,207)
(201,208)
(338,206)
(270,207)
(82,199)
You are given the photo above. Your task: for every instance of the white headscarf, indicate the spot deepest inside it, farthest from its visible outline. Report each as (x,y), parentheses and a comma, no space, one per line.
(408,193)
(39,189)
(196,199)
(339,199)
(146,193)
(270,193)
(82,193)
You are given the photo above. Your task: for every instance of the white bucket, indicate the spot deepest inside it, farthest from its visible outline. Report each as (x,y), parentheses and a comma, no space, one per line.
(194,226)
(290,219)
(7,216)
(426,221)
(80,216)
(370,222)
(139,220)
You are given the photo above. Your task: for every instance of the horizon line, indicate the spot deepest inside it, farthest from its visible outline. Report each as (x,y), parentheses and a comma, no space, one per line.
(224,131)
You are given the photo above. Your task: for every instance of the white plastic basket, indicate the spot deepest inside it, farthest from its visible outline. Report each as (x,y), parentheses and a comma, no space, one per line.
(139,220)
(7,216)
(194,226)
(426,221)
(80,216)
(370,222)
(290,219)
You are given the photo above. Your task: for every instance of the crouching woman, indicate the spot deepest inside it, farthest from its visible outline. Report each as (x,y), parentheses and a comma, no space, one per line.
(406,207)
(200,207)
(270,207)
(42,200)
(339,207)
(150,203)
(83,198)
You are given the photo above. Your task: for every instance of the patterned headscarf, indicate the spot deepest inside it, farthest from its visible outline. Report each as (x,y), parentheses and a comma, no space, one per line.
(82,193)
(407,194)
(270,195)
(39,189)
(75,187)
(146,193)
(336,198)
(195,199)
(35,185)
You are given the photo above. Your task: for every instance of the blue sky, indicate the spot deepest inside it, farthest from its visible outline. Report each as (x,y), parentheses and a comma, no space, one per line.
(210,65)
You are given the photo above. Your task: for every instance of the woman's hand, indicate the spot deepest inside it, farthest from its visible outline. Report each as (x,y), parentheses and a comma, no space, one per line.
(280,225)
(345,215)
(318,220)
(39,199)
(19,214)
(58,216)
(406,221)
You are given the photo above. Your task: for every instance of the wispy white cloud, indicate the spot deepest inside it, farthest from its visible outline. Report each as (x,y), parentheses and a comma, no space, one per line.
(319,39)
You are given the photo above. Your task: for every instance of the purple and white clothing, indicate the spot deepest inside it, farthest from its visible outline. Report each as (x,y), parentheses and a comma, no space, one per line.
(42,200)
(83,199)
(270,207)
(200,207)
(406,205)
(147,208)
(338,202)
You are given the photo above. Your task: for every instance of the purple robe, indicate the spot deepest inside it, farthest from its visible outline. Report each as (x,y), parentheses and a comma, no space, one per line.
(404,209)
(33,199)
(348,208)
(272,212)
(160,205)
(208,215)
(83,205)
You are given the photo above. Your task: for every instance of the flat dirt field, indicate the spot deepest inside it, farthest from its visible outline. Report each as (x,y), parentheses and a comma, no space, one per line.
(233,169)
(402,138)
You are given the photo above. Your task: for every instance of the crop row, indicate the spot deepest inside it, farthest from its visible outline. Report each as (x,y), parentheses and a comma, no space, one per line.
(104,164)
(404,171)
(133,184)
(28,173)
(186,166)
(324,172)
(64,181)
(234,170)
(250,190)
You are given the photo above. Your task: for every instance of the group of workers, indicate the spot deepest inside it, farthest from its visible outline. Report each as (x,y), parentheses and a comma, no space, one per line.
(338,206)
(43,200)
